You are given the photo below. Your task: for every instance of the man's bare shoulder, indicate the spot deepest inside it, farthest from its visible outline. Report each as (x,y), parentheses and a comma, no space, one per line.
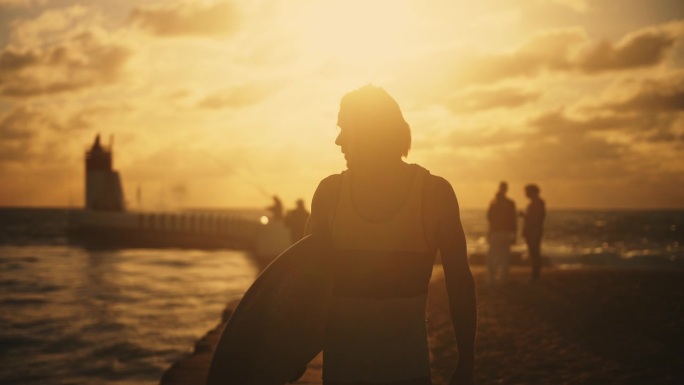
(329,184)
(439,201)
(441,212)
(438,188)
(326,193)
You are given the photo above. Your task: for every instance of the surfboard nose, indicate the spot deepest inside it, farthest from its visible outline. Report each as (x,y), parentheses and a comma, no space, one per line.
(272,239)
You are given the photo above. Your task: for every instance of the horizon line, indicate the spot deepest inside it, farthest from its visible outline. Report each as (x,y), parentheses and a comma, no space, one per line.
(65,207)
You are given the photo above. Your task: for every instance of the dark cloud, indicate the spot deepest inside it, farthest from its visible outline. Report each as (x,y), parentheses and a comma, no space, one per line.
(481,138)
(88,116)
(220,19)
(641,49)
(13,60)
(659,136)
(653,95)
(18,124)
(564,148)
(18,128)
(83,61)
(549,51)
(442,76)
(525,155)
(559,123)
(12,4)
(565,51)
(30,135)
(635,127)
(572,157)
(25,123)
(559,146)
(644,110)
(507,97)
(236,97)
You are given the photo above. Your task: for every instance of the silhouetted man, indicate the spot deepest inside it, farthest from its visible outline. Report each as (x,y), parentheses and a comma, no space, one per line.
(295,220)
(276,209)
(533,227)
(503,225)
(387,219)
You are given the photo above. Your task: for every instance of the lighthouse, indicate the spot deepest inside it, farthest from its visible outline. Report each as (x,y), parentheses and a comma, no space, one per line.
(103,191)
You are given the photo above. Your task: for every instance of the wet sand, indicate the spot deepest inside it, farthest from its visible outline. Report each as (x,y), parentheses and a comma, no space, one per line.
(584,326)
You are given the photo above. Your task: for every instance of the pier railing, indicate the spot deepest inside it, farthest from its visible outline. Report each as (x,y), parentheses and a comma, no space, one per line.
(238,230)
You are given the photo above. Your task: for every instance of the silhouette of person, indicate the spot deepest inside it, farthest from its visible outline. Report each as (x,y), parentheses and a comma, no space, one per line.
(276,209)
(387,219)
(503,223)
(295,220)
(533,226)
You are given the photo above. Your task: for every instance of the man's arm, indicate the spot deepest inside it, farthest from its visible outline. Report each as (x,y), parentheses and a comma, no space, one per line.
(514,222)
(322,205)
(458,277)
(514,215)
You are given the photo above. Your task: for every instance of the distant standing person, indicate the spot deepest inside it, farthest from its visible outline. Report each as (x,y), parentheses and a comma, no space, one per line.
(502,229)
(295,220)
(533,227)
(276,209)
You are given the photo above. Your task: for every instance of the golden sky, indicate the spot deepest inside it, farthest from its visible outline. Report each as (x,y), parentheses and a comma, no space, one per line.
(223,103)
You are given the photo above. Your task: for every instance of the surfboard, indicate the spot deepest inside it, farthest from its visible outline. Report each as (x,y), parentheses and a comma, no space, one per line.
(278,326)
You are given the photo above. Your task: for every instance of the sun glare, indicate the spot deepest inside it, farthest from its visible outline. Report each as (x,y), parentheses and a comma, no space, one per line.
(355,31)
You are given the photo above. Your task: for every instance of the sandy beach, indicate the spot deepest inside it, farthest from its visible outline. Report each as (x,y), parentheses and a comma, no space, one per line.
(578,326)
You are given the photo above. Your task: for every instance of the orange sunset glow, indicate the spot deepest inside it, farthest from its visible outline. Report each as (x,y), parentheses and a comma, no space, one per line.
(225,103)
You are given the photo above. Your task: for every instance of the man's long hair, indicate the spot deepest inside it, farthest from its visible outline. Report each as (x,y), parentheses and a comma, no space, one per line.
(372,115)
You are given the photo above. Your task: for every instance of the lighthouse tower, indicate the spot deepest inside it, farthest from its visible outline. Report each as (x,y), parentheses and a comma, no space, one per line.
(103,189)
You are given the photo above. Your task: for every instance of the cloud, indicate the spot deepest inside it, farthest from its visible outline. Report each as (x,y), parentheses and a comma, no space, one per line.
(18,124)
(490,98)
(83,62)
(559,145)
(568,149)
(51,26)
(236,97)
(48,56)
(641,49)
(17,129)
(580,6)
(87,117)
(568,51)
(12,60)
(652,95)
(631,128)
(215,20)
(580,159)
(482,138)
(546,155)
(559,123)
(25,122)
(639,110)
(21,3)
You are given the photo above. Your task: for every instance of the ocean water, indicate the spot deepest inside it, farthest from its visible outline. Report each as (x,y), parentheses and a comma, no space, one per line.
(74,316)
(70,315)
(576,238)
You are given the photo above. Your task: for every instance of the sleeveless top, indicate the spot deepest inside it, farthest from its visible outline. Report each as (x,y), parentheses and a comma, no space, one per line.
(376,332)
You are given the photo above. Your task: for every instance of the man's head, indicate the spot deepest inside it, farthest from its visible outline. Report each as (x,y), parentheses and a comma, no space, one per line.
(503,188)
(372,126)
(531,190)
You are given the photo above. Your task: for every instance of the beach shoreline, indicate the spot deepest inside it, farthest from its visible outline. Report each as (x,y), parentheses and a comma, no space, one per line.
(573,326)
